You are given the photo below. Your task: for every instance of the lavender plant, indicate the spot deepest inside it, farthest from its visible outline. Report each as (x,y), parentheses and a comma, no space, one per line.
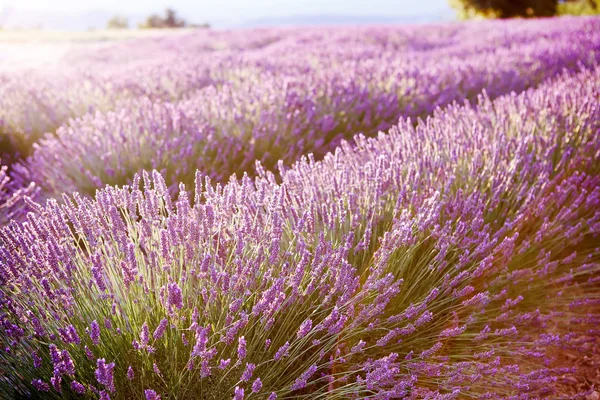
(457,258)
(12,195)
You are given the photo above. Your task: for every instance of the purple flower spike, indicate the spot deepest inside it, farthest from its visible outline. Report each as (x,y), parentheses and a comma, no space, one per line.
(95,333)
(130,373)
(238,393)
(257,385)
(175,298)
(247,375)
(301,382)
(40,385)
(151,395)
(160,329)
(104,395)
(104,374)
(241,352)
(78,387)
(144,335)
(305,327)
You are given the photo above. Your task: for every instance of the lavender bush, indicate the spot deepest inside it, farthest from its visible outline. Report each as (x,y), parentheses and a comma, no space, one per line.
(457,258)
(12,193)
(295,109)
(33,104)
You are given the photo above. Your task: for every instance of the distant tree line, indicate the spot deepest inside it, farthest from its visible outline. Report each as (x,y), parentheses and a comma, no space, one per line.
(170,19)
(523,8)
(117,22)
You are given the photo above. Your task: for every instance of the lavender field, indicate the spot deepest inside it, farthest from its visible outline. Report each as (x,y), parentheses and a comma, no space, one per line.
(402,212)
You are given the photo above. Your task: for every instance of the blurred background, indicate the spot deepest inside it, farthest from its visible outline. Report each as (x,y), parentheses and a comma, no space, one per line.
(92,15)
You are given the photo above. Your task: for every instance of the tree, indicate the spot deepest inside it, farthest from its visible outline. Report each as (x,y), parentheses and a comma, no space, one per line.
(579,7)
(507,8)
(170,20)
(117,22)
(592,4)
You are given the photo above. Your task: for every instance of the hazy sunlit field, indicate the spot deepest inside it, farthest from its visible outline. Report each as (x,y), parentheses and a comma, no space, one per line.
(44,49)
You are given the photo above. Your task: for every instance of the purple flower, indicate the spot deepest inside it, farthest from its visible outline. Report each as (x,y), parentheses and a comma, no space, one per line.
(130,374)
(144,335)
(56,381)
(89,354)
(247,375)
(104,374)
(55,355)
(241,352)
(223,364)
(238,393)
(67,367)
(301,382)
(40,385)
(74,337)
(358,347)
(95,333)
(151,395)
(304,328)
(201,341)
(104,395)
(97,273)
(175,298)
(160,329)
(37,360)
(205,369)
(283,351)
(78,387)
(257,385)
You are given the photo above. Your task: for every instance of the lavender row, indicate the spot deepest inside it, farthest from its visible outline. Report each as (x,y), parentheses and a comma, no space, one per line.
(457,39)
(224,129)
(33,104)
(439,261)
(34,101)
(465,39)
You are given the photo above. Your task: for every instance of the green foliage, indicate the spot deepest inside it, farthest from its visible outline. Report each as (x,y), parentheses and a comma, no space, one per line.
(505,8)
(170,20)
(117,22)
(579,7)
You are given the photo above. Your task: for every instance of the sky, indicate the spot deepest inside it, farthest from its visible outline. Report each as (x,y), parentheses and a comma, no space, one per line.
(228,11)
